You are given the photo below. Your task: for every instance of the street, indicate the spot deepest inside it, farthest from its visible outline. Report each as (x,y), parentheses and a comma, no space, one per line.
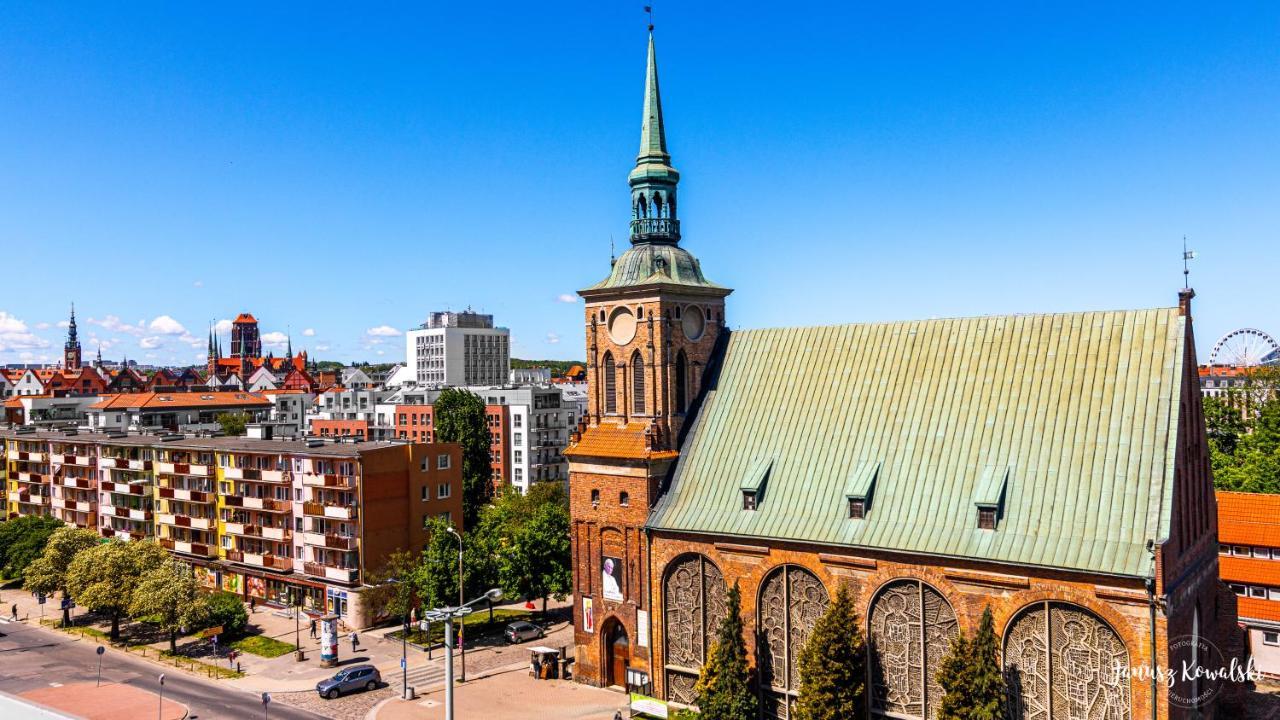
(32,657)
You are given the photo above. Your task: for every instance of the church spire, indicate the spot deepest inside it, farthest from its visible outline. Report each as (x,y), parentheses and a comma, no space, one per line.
(71,351)
(653,181)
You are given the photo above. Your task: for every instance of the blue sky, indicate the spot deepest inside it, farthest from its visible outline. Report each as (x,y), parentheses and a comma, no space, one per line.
(340,175)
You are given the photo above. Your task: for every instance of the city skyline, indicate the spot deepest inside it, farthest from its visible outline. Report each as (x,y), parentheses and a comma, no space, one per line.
(951,165)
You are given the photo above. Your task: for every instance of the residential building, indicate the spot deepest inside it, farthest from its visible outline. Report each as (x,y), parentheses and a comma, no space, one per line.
(1249,563)
(1051,468)
(289,409)
(459,348)
(254,516)
(174,411)
(530,376)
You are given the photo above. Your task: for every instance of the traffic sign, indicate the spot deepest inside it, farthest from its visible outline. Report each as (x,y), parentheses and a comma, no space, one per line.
(67,603)
(402,663)
(40,598)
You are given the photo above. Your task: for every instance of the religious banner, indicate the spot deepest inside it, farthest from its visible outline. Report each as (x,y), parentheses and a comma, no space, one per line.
(611,578)
(588,616)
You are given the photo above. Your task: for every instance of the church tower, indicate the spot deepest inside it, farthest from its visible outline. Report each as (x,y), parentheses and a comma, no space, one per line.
(652,327)
(71,350)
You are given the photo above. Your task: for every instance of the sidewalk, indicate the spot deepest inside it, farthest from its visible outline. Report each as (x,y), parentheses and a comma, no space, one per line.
(109,702)
(510,694)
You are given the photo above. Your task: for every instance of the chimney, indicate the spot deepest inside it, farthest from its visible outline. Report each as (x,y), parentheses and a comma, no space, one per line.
(1184,301)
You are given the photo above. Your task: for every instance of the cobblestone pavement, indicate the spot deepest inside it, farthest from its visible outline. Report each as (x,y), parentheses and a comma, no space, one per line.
(348,707)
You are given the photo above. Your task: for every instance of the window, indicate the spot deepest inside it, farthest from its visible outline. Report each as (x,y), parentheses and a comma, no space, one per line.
(426,493)
(1257,592)
(1224,549)
(1261,552)
(1238,589)
(610,385)
(595,498)
(518,439)
(519,474)
(624,499)
(442,462)
(516,420)
(1271,638)
(637,384)
(857,508)
(426,465)
(748,500)
(987,518)
(1273,593)
(443,491)
(1240,551)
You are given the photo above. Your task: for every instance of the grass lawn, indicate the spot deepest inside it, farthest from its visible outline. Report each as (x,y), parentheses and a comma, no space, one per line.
(477,624)
(263,646)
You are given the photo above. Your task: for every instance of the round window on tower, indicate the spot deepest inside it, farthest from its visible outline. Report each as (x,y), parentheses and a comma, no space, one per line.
(693,323)
(622,326)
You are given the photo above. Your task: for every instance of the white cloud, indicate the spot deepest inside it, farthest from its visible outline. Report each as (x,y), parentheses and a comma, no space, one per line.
(149,343)
(43,326)
(552,339)
(115,324)
(222,326)
(64,324)
(275,339)
(322,348)
(194,341)
(383,331)
(15,336)
(382,352)
(26,356)
(198,283)
(166,325)
(567,298)
(309,332)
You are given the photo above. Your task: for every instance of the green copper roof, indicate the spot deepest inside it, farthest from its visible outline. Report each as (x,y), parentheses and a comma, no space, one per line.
(653,162)
(655,264)
(1067,421)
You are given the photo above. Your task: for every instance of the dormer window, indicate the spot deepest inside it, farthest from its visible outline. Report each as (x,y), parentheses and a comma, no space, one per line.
(748,499)
(753,483)
(857,508)
(860,487)
(989,495)
(986,518)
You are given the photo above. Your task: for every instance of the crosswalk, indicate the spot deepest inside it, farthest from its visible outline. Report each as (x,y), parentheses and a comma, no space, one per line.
(420,677)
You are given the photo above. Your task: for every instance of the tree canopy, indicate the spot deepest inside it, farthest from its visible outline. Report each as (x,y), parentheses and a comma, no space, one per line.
(832,664)
(459,417)
(1243,427)
(724,686)
(971,679)
(48,573)
(233,423)
(171,594)
(103,577)
(22,540)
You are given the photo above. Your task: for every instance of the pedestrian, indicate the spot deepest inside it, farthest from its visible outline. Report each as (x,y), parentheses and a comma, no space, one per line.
(253,604)
(355,641)
(14,611)
(313,628)
(617,715)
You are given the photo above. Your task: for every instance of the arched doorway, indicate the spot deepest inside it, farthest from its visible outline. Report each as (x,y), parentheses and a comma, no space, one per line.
(617,654)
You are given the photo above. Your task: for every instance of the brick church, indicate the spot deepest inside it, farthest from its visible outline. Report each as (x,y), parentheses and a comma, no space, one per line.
(1052,467)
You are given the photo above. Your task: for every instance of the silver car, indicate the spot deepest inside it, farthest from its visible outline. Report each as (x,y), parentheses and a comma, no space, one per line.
(519,631)
(356,677)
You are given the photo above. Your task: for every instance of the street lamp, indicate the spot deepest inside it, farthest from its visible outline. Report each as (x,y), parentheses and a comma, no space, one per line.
(463,644)
(404,643)
(447,615)
(160,710)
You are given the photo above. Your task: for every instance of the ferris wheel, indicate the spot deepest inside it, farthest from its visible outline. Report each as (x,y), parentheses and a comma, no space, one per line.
(1244,347)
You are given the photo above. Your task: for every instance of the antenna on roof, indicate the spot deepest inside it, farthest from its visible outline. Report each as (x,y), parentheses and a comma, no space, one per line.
(612,257)
(1187,255)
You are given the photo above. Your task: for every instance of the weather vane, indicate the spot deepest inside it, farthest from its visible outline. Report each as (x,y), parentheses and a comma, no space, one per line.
(1187,256)
(649,9)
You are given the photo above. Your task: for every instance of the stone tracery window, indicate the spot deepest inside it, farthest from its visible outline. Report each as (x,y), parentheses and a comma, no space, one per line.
(911,626)
(791,601)
(610,384)
(694,597)
(637,383)
(1061,662)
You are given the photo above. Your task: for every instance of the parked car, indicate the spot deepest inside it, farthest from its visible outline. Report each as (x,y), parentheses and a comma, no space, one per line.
(355,677)
(519,631)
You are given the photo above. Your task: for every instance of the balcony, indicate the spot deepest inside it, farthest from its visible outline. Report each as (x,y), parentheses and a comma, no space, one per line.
(337,512)
(268,562)
(32,478)
(264,504)
(125,513)
(333,542)
(280,534)
(78,460)
(655,229)
(125,464)
(344,575)
(27,498)
(127,488)
(339,482)
(188,548)
(179,520)
(77,482)
(26,456)
(170,468)
(77,505)
(121,534)
(198,496)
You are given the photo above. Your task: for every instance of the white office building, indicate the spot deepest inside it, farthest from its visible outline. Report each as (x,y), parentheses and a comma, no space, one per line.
(459,348)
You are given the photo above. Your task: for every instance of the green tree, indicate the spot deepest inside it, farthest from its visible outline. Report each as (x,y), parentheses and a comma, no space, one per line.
(537,562)
(724,687)
(435,577)
(225,610)
(22,540)
(104,577)
(391,589)
(833,665)
(971,679)
(1224,425)
(47,574)
(233,423)
(171,594)
(459,417)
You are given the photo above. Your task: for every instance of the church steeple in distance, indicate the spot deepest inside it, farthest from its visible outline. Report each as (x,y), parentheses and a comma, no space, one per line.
(653,181)
(71,351)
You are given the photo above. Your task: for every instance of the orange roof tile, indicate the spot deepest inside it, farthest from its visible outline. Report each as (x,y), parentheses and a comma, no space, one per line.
(1252,571)
(246,318)
(1258,609)
(616,441)
(180,400)
(1249,518)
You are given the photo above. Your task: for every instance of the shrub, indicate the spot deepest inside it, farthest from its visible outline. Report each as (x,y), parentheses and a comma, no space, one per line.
(227,610)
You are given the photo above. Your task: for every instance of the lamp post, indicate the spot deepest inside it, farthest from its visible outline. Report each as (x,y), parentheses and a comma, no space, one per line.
(447,615)
(462,646)
(160,710)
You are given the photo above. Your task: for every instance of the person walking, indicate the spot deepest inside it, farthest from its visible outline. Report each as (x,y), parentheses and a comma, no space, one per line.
(313,628)
(14,611)
(253,604)
(355,641)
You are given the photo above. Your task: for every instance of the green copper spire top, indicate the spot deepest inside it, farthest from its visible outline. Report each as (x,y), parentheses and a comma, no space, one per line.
(653,136)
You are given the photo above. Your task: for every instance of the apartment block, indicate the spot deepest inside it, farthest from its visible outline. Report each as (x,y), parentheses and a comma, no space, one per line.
(257,517)
(459,348)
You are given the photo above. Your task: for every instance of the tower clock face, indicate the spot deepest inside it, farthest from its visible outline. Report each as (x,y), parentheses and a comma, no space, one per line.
(693,322)
(622,326)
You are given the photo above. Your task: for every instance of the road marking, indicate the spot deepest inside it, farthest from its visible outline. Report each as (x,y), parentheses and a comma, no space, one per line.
(55,684)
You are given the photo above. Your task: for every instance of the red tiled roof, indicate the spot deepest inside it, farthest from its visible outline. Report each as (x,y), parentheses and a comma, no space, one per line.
(1249,519)
(1250,571)
(615,441)
(180,400)
(245,318)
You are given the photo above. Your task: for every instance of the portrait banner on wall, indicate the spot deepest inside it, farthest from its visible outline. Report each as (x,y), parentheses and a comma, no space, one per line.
(205,577)
(588,616)
(256,586)
(611,577)
(642,628)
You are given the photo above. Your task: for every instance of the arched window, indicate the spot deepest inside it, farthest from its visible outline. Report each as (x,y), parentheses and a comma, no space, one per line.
(791,601)
(637,384)
(693,604)
(911,626)
(642,207)
(682,371)
(1060,661)
(657,205)
(610,384)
